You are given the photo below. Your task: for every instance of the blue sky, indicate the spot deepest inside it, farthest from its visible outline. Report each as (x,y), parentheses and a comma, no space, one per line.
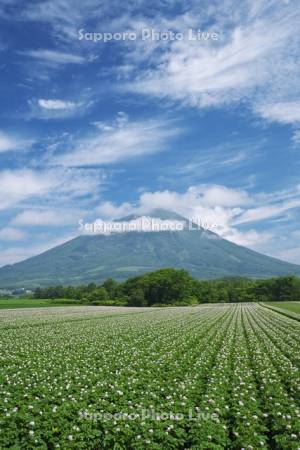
(209,128)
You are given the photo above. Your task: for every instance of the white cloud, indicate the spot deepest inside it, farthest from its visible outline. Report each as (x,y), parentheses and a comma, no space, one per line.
(204,195)
(249,63)
(200,203)
(267,211)
(108,209)
(254,61)
(11,234)
(7,143)
(120,121)
(209,161)
(250,238)
(10,143)
(296,138)
(62,16)
(19,185)
(37,217)
(59,109)
(221,209)
(55,57)
(221,195)
(54,185)
(283,112)
(56,104)
(119,141)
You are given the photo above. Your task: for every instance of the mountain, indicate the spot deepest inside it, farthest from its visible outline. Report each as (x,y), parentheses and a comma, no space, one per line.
(91,258)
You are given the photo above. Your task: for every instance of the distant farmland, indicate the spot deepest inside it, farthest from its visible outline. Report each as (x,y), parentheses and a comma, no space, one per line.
(6,303)
(290,306)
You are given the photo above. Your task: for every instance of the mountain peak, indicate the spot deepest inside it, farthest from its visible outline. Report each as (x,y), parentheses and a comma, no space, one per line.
(121,255)
(156,213)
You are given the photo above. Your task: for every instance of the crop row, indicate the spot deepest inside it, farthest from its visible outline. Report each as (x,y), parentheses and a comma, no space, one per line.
(209,377)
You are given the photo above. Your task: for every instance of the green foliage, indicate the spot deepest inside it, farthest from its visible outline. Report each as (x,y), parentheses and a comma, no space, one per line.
(111,287)
(176,287)
(98,295)
(166,286)
(278,289)
(137,298)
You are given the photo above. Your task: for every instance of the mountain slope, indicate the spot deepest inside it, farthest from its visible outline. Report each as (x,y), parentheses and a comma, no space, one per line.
(121,255)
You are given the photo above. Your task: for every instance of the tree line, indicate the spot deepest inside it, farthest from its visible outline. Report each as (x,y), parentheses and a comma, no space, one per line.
(176,287)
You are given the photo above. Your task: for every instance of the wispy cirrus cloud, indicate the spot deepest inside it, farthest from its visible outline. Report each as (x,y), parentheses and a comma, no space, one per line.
(59,185)
(268,211)
(62,17)
(54,57)
(44,64)
(206,161)
(119,140)
(236,68)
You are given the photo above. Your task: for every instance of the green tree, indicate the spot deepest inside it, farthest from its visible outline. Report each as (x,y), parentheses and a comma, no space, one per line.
(111,287)
(98,295)
(137,298)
